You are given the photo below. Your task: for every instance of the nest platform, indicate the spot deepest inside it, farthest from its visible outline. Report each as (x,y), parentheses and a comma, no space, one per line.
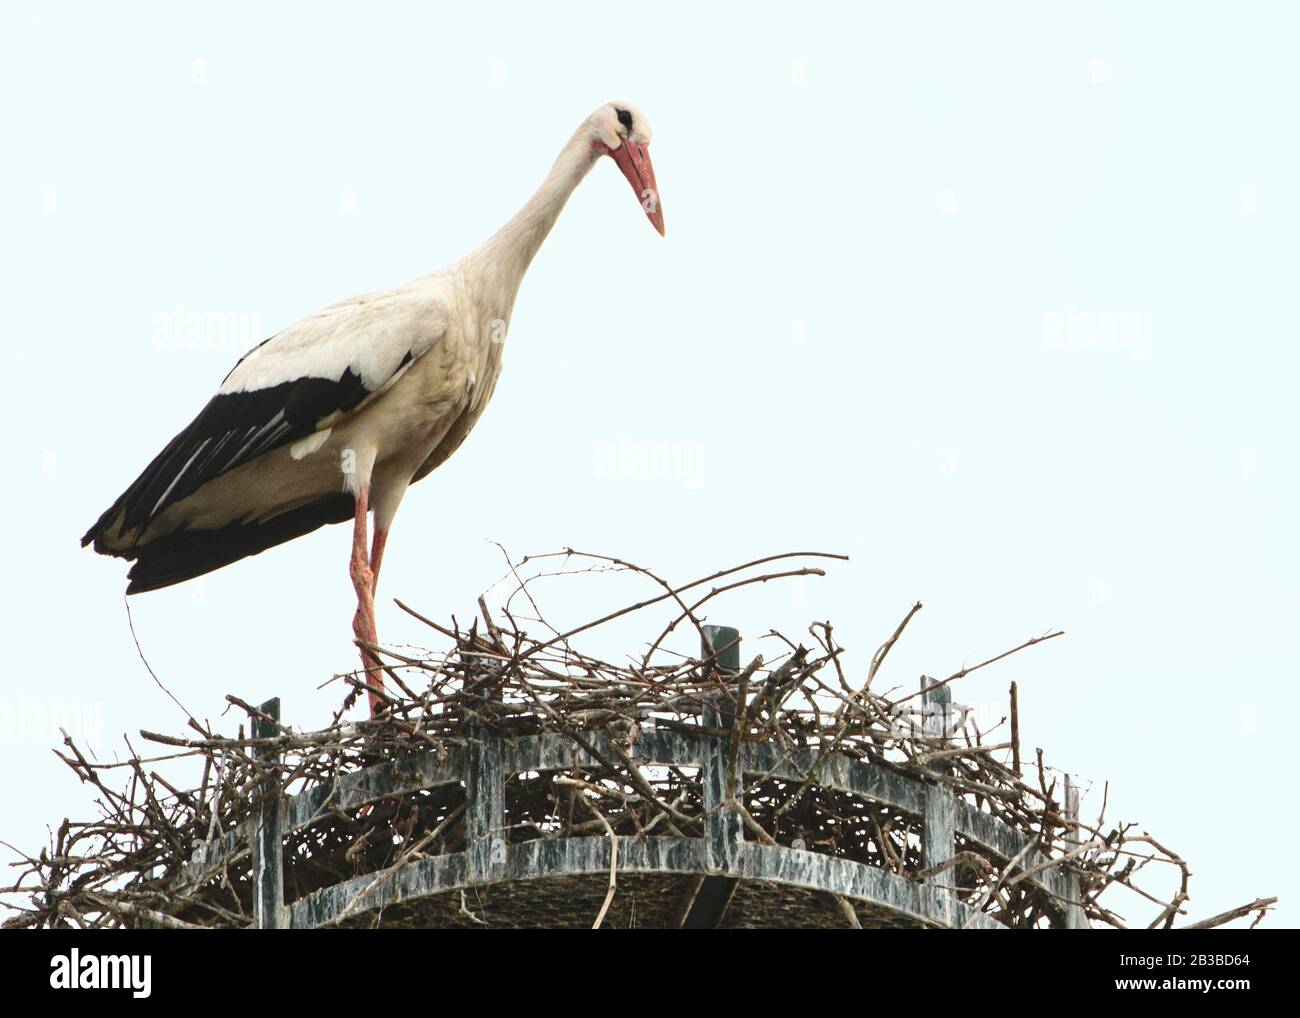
(512,781)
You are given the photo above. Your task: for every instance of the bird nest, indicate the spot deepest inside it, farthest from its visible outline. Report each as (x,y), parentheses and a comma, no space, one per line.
(171,844)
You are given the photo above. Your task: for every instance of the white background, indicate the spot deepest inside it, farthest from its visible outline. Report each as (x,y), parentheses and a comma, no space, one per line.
(889,228)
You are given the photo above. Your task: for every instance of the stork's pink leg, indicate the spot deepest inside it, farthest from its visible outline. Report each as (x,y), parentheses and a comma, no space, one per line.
(377,555)
(363,581)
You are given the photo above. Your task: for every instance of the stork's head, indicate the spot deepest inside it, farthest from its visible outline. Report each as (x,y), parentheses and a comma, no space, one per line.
(621,131)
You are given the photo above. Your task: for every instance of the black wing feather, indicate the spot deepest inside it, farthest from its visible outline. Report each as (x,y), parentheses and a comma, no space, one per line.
(192,553)
(233,429)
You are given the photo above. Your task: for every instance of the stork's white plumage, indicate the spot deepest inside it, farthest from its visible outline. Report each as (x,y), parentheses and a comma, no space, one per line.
(337,415)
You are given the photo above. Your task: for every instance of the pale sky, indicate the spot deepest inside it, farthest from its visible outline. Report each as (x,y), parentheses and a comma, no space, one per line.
(997,299)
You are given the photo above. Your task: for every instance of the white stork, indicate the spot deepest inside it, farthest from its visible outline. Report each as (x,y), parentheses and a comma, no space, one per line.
(335,416)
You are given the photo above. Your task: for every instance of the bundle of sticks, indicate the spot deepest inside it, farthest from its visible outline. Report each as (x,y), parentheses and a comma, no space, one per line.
(132,864)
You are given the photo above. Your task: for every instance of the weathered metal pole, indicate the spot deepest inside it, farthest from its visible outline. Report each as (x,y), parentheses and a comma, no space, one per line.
(267,842)
(485,849)
(724,832)
(939,824)
(485,793)
(1015,728)
(1075,917)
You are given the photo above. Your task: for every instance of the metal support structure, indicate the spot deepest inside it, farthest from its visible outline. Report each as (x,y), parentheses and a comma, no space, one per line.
(485,792)
(724,832)
(1075,917)
(939,821)
(268,842)
(485,808)
(712,866)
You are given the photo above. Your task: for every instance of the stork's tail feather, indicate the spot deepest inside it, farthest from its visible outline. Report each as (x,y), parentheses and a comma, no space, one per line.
(190,553)
(103,527)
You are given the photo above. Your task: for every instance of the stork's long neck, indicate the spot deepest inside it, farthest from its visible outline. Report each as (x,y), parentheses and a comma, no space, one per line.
(502,261)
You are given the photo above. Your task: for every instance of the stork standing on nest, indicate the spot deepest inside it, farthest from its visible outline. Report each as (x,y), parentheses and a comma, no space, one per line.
(336,416)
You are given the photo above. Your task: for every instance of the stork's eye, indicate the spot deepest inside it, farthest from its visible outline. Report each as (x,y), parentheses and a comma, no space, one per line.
(624,118)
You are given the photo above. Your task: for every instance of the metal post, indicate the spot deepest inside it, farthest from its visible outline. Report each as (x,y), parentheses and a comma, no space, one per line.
(485,810)
(724,832)
(939,823)
(485,784)
(1075,917)
(267,842)
(1015,728)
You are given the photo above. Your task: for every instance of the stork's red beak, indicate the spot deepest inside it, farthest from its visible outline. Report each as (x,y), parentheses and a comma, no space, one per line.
(633,159)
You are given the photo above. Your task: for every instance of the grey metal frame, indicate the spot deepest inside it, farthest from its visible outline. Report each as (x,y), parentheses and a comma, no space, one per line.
(484,762)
